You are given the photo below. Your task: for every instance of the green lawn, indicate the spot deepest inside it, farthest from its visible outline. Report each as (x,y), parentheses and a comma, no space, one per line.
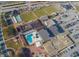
(28,16)
(4,24)
(5,33)
(0,21)
(77,7)
(38,13)
(50,9)
(13,43)
(9,32)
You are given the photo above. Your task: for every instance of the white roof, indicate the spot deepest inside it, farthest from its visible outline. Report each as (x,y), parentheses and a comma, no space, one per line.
(38,44)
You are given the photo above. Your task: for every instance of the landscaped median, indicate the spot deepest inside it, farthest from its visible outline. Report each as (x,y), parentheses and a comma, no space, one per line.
(46,10)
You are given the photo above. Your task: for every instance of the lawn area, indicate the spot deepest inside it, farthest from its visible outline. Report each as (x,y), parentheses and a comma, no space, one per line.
(0,21)
(9,32)
(4,24)
(50,9)
(77,7)
(38,13)
(5,33)
(28,16)
(13,43)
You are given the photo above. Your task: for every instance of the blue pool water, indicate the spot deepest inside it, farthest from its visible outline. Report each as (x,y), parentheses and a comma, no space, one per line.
(29,38)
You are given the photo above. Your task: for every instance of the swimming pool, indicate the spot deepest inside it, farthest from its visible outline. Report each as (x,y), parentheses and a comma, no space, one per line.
(29,38)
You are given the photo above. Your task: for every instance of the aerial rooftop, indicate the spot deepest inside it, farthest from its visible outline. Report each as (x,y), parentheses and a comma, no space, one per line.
(39,29)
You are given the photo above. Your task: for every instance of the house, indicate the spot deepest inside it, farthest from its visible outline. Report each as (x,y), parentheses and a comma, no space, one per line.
(52,25)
